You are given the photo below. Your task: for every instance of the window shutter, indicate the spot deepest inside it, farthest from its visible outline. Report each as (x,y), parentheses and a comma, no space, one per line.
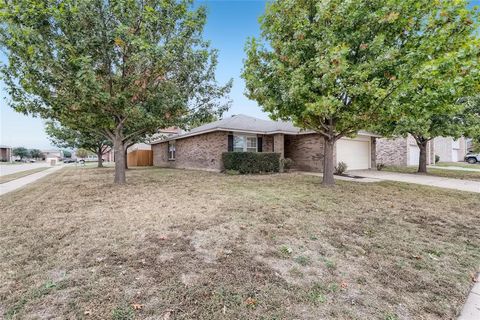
(230,142)
(259,144)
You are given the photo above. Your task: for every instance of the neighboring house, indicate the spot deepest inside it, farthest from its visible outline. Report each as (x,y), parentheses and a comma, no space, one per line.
(58,154)
(140,154)
(405,152)
(6,153)
(202,147)
(449,149)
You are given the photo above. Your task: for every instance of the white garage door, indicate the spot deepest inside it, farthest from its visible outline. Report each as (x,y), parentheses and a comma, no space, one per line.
(355,153)
(413,155)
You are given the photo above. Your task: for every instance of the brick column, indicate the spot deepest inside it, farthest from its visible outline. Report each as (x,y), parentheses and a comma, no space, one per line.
(373,153)
(279,147)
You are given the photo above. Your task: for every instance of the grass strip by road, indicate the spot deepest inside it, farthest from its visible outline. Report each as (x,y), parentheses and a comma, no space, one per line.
(459,165)
(453,174)
(21,174)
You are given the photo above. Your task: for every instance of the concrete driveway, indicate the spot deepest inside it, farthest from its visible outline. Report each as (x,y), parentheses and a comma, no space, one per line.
(6,169)
(448,183)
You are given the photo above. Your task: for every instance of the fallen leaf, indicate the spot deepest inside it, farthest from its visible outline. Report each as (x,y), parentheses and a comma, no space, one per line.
(137,306)
(474,277)
(251,301)
(344,285)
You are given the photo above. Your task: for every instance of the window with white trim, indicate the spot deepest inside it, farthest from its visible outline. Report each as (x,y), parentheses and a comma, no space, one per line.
(243,143)
(171,150)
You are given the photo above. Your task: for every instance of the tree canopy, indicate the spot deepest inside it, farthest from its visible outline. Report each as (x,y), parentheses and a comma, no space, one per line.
(21,152)
(471,116)
(64,137)
(336,66)
(442,67)
(122,68)
(36,154)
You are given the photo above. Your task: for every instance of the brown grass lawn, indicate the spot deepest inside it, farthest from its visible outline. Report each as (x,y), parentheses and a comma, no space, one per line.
(176,244)
(444,173)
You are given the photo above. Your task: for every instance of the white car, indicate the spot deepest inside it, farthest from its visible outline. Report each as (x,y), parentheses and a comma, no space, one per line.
(472,157)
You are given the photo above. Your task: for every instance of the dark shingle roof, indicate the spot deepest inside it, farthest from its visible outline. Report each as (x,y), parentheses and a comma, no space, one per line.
(243,123)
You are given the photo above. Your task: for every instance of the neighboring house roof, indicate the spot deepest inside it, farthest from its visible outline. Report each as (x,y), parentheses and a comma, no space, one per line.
(2,146)
(169,130)
(51,151)
(247,124)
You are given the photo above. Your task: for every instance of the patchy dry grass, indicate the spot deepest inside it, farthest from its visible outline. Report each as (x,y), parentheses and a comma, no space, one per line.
(444,173)
(21,174)
(178,244)
(459,164)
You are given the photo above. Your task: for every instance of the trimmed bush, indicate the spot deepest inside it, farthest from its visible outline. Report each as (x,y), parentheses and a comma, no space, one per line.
(251,162)
(287,164)
(340,168)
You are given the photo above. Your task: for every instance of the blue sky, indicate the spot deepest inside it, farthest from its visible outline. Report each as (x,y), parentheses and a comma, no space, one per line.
(229,24)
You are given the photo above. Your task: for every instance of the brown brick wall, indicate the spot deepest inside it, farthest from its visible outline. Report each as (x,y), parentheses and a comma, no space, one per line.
(392,152)
(198,152)
(267,143)
(306,151)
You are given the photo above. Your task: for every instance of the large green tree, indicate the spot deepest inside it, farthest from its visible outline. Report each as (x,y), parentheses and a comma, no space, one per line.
(441,68)
(334,66)
(471,116)
(21,152)
(122,68)
(92,141)
(36,153)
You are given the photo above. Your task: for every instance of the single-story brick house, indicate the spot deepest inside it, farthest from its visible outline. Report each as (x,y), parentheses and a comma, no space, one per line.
(6,153)
(405,152)
(202,147)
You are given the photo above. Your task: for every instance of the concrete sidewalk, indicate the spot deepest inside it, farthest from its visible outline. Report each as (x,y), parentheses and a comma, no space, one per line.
(471,309)
(448,183)
(21,182)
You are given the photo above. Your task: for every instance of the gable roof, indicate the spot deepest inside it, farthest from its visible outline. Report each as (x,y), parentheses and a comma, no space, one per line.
(246,124)
(242,122)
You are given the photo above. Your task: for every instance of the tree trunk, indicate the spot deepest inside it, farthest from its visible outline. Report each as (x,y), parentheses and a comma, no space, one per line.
(126,158)
(99,156)
(328,166)
(422,163)
(119,152)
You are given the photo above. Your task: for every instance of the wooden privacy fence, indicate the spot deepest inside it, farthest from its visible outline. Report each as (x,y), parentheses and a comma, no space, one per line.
(140,158)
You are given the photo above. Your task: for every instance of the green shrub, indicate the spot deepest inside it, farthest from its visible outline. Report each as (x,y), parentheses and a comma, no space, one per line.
(380,166)
(123,312)
(340,168)
(287,164)
(251,162)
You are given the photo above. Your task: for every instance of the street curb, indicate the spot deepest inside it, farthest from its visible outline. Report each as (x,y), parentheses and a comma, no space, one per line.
(471,309)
